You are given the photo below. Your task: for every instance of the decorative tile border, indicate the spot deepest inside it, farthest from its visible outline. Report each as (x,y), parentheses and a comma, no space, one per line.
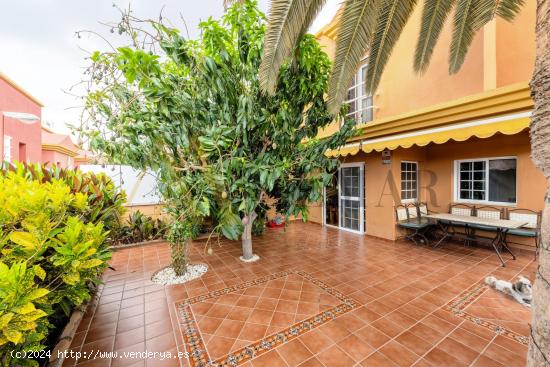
(198,355)
(466,298)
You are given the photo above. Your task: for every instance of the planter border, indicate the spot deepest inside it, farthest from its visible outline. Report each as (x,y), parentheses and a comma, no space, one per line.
(67,335)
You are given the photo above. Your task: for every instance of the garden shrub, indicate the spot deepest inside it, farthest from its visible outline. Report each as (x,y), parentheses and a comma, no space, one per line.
(139,228)
(53,250)
(105,202)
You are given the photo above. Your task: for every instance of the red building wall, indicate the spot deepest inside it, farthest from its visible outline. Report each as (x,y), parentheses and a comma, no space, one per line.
(26,139)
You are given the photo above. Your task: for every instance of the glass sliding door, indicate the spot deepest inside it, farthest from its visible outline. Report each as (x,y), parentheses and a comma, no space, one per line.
(332,213)
(351,197)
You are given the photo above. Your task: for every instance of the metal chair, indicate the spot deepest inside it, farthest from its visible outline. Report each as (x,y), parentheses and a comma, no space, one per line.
(463,210)
(529,230)
(487,212)
(408,218)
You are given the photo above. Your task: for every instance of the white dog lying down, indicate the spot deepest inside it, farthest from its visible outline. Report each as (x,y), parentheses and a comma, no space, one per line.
(520,290)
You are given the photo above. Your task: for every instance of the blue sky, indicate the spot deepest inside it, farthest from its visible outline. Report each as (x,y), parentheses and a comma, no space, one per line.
(40,51)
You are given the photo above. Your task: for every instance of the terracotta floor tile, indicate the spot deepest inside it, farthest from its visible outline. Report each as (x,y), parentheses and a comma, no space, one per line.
(252,332)
(209,324)
(271,359)
(366,314)
(202,308)
(312,362)
(395,286)
(504,356)
(100,332)
(478,330)
(484,361)
(439,325)
(335,357)
(356,348)
(287,306)
(102,345)
(351,322)
(161,343)
(130,323)
(282,319)
(247,301)
(260,317)
(267,304)
(437,357)
(458,350)
(511,345)
(229,329)
(158,328)
(399,354)
(271,293)
(294,352)
(373,336)
(377,359)
(425,332)
(219,346)
(388,327)
(470,340)
(414,343)
(131,311)
(316,341)
(156,316)
(130,337)
(334,330)
(219,311)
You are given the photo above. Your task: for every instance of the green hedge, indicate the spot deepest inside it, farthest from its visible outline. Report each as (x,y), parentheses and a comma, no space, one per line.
(54,228)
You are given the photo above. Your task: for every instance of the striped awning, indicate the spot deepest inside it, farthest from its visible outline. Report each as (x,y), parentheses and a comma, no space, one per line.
(507,124)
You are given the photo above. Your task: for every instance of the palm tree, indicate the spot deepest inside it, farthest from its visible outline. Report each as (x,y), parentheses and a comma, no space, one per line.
(375,26)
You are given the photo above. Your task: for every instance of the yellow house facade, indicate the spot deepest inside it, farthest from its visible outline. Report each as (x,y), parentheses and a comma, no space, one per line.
(438,138)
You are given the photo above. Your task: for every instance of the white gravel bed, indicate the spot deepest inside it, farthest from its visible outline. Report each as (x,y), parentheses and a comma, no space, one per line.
(167,275)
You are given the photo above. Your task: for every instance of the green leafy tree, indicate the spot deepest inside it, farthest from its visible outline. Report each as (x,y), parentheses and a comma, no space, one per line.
(374,26)
(193,111)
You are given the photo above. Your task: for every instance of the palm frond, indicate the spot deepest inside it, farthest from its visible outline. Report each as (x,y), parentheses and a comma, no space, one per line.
(288,21)
(354,35)
(463,33)
(434,14)
(393,17)
(471,16)
(508,9)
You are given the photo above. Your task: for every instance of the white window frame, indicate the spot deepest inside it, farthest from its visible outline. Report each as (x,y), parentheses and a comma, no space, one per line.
(7,148)
(456,178)
(359,87)
(415,199)
(361,166)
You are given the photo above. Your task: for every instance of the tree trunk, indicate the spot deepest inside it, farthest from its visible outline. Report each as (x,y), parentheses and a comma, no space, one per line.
(179,257)
(539,344)
(246,238)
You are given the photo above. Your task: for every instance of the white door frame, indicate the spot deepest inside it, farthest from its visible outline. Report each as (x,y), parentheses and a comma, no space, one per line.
(361,198)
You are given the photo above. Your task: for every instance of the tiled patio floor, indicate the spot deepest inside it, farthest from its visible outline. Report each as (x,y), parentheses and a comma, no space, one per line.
(317,297)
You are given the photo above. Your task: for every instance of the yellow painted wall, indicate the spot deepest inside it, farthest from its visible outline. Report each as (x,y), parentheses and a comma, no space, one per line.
(502,53)
(516,46)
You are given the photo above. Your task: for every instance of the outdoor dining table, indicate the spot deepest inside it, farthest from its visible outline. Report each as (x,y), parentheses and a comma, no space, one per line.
(445,221)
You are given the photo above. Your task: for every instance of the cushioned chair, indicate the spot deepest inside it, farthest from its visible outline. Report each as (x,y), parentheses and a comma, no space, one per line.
(408,218)
(529,230)
(487,212)
(463,210)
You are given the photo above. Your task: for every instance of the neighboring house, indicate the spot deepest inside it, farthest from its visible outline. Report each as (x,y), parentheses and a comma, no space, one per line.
(19,141)
(22,136)
(59,149)
(438,138)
